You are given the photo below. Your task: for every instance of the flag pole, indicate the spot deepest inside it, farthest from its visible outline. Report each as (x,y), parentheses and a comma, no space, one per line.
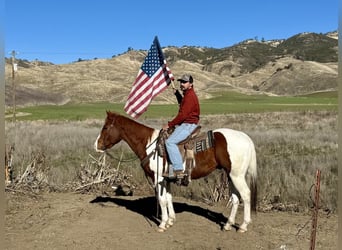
(173,85)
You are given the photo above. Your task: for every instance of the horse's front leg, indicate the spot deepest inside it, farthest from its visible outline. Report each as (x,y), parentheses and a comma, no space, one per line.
(163,203)
(171,211)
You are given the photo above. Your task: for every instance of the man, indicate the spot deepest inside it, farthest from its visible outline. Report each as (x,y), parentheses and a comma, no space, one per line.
(185,122)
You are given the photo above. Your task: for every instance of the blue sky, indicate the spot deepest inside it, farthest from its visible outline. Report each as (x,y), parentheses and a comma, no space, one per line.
(62,31)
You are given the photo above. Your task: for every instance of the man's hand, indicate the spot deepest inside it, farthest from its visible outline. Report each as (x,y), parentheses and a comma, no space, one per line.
(165,127)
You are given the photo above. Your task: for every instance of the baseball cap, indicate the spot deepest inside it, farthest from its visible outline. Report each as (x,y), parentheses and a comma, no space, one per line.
(186,78)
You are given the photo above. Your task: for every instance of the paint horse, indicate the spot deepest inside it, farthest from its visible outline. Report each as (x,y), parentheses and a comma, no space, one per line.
(233,151)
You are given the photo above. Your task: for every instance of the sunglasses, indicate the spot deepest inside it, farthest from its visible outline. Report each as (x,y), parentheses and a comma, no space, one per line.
(182,82)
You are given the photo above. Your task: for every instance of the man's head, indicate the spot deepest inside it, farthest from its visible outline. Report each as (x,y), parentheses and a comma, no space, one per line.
(186,82)
(186,78)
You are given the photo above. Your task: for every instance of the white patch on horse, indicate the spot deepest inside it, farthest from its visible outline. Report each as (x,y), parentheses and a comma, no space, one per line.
(156,162)
(95,145)
(243,162)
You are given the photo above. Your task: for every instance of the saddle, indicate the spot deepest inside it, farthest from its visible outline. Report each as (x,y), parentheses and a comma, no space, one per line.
(196,142)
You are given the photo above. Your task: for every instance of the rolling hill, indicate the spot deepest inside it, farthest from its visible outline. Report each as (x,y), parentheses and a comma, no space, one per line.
(301,64)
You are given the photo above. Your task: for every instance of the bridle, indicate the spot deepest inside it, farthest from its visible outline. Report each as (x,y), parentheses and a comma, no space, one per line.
(133,158)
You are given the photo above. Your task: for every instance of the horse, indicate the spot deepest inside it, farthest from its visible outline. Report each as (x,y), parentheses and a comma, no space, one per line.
(232,151)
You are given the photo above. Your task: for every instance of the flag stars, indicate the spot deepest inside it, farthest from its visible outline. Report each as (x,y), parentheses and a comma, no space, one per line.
(152,61)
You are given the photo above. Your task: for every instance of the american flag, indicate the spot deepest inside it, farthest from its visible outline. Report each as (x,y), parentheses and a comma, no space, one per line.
(153,77)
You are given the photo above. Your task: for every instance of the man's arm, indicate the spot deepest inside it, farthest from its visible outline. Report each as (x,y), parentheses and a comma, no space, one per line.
(178,96)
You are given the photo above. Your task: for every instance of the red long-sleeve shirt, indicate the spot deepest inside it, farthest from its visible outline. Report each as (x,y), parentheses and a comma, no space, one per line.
(189,109)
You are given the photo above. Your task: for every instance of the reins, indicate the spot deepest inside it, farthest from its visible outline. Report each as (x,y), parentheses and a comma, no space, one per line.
(120,160)
(134,158)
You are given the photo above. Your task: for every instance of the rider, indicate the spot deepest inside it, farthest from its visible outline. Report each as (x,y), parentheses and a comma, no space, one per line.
(185,122)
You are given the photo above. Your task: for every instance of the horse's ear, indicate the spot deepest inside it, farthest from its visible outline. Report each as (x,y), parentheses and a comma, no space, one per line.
(110,115)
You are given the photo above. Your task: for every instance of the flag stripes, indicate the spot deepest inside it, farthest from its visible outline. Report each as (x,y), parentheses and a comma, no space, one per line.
(153,77)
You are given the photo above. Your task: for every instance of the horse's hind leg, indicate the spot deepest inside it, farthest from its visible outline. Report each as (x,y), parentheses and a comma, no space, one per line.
(243,189)
(234,200)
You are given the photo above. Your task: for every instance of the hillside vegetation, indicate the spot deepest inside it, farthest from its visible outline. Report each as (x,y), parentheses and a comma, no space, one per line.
(301,64)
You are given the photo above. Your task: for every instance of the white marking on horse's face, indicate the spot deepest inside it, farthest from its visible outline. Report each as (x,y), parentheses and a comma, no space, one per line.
(95,145)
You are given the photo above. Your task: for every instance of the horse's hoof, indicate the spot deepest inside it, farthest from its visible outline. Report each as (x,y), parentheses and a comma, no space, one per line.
(169,224)
(242,230)
(227,227)
(161,230)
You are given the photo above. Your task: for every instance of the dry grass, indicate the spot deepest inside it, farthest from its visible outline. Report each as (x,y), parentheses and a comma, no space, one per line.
(290,148)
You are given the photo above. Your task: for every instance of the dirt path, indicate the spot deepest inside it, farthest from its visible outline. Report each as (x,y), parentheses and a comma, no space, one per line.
(75,221)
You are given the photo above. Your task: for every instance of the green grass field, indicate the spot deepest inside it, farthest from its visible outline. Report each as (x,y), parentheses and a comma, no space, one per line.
(222,103)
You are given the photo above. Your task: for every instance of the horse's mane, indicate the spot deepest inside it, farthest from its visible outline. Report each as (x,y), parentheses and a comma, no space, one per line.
(121,119)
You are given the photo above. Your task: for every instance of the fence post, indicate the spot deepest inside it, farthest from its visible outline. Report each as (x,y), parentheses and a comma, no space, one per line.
(315,211)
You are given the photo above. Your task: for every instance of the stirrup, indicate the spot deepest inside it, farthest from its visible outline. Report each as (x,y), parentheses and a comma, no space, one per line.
(179,174)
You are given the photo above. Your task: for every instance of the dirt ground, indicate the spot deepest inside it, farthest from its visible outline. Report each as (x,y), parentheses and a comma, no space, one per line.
(78,221)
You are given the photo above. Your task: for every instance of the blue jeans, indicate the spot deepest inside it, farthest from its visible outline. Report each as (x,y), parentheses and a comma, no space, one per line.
(181,132)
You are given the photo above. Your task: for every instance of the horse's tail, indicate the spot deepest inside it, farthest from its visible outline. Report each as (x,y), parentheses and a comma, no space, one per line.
(252,172)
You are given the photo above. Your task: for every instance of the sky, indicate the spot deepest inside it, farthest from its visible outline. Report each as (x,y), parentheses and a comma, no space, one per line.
(64,31)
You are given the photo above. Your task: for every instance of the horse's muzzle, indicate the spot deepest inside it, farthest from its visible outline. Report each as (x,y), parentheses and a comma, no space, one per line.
(97,147)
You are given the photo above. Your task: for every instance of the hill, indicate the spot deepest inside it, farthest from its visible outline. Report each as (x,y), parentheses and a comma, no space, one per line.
(301,64)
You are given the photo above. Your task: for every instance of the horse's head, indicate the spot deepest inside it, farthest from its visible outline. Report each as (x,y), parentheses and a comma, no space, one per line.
(109,135)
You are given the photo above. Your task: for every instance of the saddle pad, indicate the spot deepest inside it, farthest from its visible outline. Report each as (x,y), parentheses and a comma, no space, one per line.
(204,143)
